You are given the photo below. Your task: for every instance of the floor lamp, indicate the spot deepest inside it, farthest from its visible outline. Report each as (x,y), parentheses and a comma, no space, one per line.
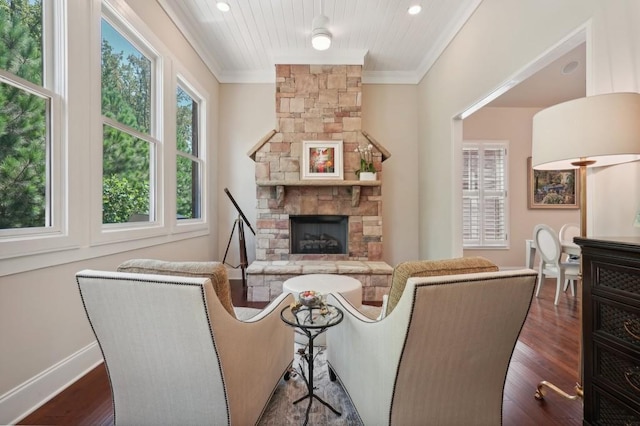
(595,131)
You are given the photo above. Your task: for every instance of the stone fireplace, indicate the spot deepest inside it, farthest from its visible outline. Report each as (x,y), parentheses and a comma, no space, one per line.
(315,103)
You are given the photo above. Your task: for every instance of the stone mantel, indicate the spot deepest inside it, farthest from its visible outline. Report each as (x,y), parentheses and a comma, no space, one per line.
(354,184)
(319,182)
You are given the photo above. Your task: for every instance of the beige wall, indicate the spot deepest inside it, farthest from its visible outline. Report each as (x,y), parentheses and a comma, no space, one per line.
(45,338)
(499,40)
(514,126)
(247,113)
(389,115)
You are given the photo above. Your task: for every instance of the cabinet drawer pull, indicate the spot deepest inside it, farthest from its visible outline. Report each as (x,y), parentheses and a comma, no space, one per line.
(628,375)
(629,326)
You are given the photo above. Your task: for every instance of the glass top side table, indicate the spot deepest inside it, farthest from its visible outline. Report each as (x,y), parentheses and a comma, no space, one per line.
(312,321)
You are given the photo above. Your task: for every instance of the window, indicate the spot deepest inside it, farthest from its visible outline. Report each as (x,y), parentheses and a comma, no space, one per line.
(484,194)
(27,103)
(188,157)
(129,141)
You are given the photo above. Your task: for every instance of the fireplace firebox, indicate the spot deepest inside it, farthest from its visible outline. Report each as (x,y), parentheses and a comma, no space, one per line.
(319,234)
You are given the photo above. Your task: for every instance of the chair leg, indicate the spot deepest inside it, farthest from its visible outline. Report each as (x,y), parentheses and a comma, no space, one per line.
(540,281)
(568,282)
(559,282)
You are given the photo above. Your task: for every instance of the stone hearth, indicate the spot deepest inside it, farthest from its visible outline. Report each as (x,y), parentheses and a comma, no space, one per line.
(265,278)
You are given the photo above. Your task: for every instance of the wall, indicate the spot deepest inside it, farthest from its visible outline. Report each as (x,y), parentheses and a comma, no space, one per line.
(46,341)
(499,40)
(514,125)
(388,114)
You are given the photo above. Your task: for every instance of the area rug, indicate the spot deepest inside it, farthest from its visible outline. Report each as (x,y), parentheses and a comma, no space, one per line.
(281,410)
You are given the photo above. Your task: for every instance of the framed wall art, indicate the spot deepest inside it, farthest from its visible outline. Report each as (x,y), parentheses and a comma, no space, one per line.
(552,189)
(322,160)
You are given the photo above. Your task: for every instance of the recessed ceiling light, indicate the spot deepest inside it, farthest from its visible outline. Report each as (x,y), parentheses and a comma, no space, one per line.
(223,6)
(415,9)
(570,67)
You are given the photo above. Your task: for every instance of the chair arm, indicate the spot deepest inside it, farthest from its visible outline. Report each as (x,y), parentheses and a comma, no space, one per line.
(274,306)
(368,378)
(254,354)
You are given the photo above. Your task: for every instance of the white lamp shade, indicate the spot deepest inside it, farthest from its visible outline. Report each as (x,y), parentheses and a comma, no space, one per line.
(602,128)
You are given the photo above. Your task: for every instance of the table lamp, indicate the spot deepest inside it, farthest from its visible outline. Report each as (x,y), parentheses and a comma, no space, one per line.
(595,131)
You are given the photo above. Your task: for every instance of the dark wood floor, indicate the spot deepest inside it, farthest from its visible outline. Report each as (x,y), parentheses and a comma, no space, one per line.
(548,349)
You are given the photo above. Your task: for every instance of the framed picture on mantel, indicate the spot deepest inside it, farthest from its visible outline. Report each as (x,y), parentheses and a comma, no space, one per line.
(322,160)
(552,189)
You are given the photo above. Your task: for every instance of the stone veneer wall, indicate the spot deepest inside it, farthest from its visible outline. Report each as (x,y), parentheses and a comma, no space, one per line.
(316,102)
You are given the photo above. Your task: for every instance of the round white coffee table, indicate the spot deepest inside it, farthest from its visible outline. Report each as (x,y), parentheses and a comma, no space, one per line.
(347,286)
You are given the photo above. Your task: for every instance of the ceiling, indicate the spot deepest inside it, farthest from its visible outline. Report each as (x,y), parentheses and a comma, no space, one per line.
(562,80)
(243,44)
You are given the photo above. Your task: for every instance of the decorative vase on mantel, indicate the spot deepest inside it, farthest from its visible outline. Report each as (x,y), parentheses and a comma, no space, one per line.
(368,176)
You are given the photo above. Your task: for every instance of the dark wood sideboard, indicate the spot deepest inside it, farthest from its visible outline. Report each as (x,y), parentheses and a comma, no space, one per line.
(611,330)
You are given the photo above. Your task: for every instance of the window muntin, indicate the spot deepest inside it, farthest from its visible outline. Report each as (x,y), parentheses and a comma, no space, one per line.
(26,111)
(484,189)
(188,161)
(128,141)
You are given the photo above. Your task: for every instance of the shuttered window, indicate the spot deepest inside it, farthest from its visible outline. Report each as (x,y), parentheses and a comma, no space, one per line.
(484,194)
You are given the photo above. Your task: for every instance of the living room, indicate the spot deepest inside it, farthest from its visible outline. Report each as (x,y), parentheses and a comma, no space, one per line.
(47,342)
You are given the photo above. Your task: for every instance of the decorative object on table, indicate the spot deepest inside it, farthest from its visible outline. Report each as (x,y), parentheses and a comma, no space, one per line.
(552,189)
(367,170)
(310,298)
(322,160)
(595,131)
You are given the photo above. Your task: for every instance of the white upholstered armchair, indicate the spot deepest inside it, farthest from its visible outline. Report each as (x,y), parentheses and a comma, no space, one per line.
(175,355)
(440,357)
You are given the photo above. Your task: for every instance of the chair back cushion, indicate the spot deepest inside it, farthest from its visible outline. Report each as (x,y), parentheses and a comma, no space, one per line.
(461,334)
(548,244)
(155,335)
(215,271)
(429,268)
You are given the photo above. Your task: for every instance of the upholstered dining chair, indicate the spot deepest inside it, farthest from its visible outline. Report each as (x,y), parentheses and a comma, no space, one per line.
(551,264)
(175,355)
(440,357)
(424,268)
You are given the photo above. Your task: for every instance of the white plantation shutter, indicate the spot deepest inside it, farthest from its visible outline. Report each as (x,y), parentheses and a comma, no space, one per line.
(484,194)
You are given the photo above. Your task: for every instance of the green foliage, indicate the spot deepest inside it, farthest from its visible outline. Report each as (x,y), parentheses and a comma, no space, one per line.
(126,98)
(122,198)
(23,174)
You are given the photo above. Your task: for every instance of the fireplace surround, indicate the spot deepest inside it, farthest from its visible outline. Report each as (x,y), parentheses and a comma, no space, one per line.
(317,103)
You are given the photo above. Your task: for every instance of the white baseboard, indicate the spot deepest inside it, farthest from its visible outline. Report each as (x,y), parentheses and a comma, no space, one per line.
(24,399)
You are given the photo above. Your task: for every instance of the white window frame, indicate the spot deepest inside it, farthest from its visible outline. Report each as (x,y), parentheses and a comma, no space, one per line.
(187,84)
(77,190)
(55,234)
(482,194)
(132,28)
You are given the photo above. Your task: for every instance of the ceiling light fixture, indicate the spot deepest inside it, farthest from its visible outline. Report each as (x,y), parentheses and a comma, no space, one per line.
(415,9)
(320,35)
(223,6)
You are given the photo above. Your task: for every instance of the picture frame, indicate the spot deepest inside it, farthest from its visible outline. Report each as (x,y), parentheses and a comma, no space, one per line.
(322,160)
(552,189)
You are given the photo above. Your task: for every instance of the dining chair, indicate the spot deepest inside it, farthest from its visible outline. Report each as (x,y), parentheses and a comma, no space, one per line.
(551,264)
